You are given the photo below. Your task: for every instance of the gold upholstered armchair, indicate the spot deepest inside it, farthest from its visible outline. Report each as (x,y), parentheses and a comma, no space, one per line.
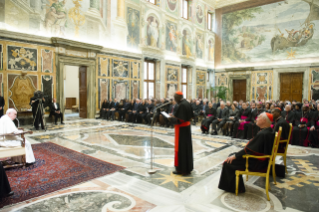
(283,151)
(262,173)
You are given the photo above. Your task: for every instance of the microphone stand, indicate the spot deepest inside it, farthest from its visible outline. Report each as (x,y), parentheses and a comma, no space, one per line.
(151,170)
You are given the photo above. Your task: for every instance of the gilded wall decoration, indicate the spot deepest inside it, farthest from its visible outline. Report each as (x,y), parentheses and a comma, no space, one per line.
(120,68)
(136,70)
(201,77)
(47,60)
(1,57)
(103,90)
(20,91)
(261,85)
(133,26)
(22,58)
(120,89)
(103,67)
(314,83)
(77,17)
(172,73)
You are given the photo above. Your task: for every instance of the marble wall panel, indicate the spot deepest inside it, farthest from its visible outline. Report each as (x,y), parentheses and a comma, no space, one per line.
(103,67)
(47,60)
(103,90)
(136,70)
(200,77)
(47,88)
(120,68)
(261,85)
(22,58)
(21,89)
(120,89)
(135,89)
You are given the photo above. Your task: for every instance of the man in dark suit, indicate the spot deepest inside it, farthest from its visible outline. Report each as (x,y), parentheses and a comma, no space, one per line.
(221,118)
(2,103)
(104,109)
(151,110)
(113,108)
(56,111)
(133,114)
(196,110)
(36,110)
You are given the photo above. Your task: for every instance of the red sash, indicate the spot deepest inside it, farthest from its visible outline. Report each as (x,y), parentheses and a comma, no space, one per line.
(177,126)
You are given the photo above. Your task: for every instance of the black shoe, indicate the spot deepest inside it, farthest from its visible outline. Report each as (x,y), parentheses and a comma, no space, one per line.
(62,123)
(177,173)
(10,194)
(37,128)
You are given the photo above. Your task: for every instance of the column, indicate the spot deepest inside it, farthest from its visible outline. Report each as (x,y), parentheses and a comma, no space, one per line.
(95,7)
(120,30)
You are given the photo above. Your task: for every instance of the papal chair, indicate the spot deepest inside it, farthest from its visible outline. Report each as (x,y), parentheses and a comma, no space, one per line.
(262,173)
(283,151)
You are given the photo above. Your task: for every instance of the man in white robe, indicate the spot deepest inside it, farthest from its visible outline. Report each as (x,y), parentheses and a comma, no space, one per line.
(6,127)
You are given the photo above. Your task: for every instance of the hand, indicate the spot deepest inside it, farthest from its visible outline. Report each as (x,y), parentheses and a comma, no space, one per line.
(240,121)
(104,109)
(171,114)
(230,159)
(0,108)
(301,125)
(231,118)
(32,101)
(43,99)
(312,128)
(219,119)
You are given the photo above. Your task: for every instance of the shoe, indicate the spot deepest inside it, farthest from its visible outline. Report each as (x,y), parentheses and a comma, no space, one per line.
(186,174)
(37,128)
(62,122)
(56,123)
(177,173)
(10,194)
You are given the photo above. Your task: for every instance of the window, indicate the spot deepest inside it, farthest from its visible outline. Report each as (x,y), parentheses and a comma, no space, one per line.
(152,1)
(210,21)
(149,79)
(184,9)
(184,81)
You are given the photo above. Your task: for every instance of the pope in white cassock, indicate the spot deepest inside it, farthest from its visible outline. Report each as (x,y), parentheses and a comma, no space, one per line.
(7,126)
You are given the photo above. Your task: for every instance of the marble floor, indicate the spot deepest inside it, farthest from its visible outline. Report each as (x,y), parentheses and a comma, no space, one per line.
(133,189)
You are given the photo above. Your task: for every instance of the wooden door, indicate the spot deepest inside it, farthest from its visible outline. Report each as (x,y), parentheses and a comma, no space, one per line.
(83,92)
(239,90)
(291,86)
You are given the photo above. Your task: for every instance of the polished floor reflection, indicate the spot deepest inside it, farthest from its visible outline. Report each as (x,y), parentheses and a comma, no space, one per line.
(133,189)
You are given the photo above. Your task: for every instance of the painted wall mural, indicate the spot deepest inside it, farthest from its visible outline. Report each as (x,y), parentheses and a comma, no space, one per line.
(20,58)
(172,4)
(211,50)
(133,26)
(172,80)
(199,45)
(278,31)
(120,68)
(153,32)
(171,36)
(187,45)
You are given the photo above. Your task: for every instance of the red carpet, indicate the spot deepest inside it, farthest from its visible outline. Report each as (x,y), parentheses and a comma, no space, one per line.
(56,168)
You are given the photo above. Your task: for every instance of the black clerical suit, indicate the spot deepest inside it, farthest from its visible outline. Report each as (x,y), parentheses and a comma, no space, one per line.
(289,116)
(300,134)
(251,129)
(5,188)
(281,122)
(220,114)
(133,113)
(196,111)
(210,117)
(314,135)
(112,109)
(104,109)
(241,133)
(141,113)
(183,138)
(2,103)
(121,110)
(260,145)
(54,110)
(37,112)
(171,110)
(148,118)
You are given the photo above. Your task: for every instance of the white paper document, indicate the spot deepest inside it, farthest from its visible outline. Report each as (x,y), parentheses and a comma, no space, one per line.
(165,114)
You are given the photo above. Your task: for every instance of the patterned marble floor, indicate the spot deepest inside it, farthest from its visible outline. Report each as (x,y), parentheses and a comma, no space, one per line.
(133,189)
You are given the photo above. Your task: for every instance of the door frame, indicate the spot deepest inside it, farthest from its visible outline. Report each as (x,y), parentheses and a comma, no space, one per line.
(246,77)
(62,61)
(276,83)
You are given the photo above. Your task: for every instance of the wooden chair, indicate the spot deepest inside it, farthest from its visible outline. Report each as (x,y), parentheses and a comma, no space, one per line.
(272,159)
(6,152)
(283,152)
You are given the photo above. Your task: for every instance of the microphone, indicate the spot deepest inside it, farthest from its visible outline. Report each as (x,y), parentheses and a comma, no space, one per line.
(167,103)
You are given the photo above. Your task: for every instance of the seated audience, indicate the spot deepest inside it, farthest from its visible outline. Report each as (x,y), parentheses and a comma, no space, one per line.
(221,118)
(7,127)
(141,111)
(113,108)
(279,121)
(134,111)
(260,145)
(288,115)
(314,130)
(251,128)
(56,111)
(302,126)
(210,112)
(121,110)
(233,113)
(196,110)
(104,108)
(242,119)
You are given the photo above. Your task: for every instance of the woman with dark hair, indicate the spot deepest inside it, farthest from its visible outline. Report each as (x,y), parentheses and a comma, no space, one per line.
(233,113)
(210,113)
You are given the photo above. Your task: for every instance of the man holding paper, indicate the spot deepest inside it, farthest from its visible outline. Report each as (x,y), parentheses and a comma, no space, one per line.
(183,137)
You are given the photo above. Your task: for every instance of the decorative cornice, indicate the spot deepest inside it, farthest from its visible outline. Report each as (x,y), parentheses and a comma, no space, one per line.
(62,42)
